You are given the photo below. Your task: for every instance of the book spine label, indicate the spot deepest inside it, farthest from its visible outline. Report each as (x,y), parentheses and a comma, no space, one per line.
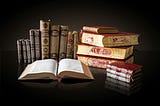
(19,51)
(37,44)
(24,51)
(76,41)
(32,42)
(28,49)
(70,45)
(54,42)
(44,25)
(63,42)
(90,29)
(45,45)
(118,77)
(116,53)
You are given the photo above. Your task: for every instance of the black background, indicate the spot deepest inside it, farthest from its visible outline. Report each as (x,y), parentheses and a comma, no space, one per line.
(17,17)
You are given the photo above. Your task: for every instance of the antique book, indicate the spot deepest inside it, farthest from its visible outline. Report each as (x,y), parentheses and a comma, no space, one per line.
(63,41)
(32,42)
(24,47)
(37,44)
(107,52)
(110,40)
(124,71)
(54,41)
(99,62)
(28,50)
(76,41)
(70,45)
(51,69)
(100,29)
(45,32)
(19,51)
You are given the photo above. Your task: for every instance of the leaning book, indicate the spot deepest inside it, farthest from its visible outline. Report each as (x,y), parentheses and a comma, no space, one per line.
(51,69)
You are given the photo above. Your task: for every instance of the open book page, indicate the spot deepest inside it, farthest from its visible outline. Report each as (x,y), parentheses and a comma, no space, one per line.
(39,67)
(70,65)
(73,68)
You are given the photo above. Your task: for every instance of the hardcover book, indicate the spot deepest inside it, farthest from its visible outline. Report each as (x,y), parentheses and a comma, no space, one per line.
(70,45)
(54,41)
(28,50)
(115,53)
(110,40)
(98,62)
(76,41)
(19,51)
(24,51)
(124,71)
(63,41)
(37,44)
(32,42)
(50,69)
(100,29)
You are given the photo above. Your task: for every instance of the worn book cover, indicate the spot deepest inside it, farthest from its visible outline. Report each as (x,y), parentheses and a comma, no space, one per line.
(63,41)
(70,45)
(100,29)
(99,62)
(20,51)
(28,50)
(37,44)
(54,41)
(110,40)
(107,52)
(76,41)
(32,42)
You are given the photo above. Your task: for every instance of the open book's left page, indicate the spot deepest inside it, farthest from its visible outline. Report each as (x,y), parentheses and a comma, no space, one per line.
(40,69)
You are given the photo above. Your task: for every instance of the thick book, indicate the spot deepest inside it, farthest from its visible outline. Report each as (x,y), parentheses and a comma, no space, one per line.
(28,50)
(98,62)
(37,44)
(32,42)
(100,29)
(70,45)
(107,52)
(124,71)
(51,69)
(24,48)
(75,44)
(54,41)
(110,40)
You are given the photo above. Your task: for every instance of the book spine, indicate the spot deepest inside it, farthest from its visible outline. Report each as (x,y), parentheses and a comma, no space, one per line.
(63,41)
(24,51)
(70,45)
(100,62)
(76,41)
(44,29)
(32,42)
(90,29)
(115,53)
(28,50)
(20,51)
(127,80)
(54,41)
(37,44)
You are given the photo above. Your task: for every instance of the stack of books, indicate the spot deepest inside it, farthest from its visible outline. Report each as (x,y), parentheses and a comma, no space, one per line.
(49,41)
(102,45)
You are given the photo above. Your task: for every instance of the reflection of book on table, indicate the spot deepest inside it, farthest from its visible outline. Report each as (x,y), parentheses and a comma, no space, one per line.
(50,69)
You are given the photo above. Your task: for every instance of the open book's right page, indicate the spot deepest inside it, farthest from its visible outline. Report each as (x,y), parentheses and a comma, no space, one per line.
(73,68)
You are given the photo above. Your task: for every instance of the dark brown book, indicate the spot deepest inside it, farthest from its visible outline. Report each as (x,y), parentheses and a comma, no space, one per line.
(28,50)
(37,44)
(70,45)
(32,42)
(76,41)
(19,51)
(24,47)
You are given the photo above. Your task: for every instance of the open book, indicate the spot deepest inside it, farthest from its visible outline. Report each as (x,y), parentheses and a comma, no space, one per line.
(51,69)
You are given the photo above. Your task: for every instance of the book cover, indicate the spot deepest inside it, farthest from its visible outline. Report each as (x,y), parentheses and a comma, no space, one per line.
(75,45)
(37,44)
(63,41)
(24,51)
(98,62)
(54,41)
(100,29)
(28,50)
(32,42)
(70,45)
(20,51)
(107,52)
(110,40)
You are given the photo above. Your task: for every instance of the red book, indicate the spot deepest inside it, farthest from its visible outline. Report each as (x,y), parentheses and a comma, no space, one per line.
(100,29)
